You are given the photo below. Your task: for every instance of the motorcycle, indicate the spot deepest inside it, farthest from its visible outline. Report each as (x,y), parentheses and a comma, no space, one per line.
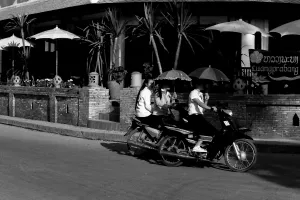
(142,137)
(232,143)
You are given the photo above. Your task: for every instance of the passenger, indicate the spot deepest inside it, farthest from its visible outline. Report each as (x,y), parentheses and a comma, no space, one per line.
(162,100)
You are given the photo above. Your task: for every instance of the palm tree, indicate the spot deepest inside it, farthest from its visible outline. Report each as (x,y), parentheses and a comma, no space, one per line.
(95,38)
(114,26)
(151,27)
(180,18)
(21,22)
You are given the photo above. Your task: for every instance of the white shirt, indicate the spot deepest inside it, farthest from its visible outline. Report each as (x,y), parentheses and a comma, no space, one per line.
(194,108)
(143,102)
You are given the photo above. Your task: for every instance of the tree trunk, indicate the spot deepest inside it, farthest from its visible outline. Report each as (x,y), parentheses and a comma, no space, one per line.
(156,53)
(111,52)
(114,50)
(178,51)
(25,70)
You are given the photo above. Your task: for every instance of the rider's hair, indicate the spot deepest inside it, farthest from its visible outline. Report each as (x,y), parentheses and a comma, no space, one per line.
(146,81)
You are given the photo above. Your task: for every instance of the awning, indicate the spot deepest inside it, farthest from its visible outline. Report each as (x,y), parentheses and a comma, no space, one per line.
(39,6)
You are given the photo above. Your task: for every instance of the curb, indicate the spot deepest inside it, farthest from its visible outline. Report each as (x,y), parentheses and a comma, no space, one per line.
(63,129)
(266,146)
(263,145)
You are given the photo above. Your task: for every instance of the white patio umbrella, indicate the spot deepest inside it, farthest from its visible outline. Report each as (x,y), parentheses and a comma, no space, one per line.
(13,41)
(238,26)
(291,28)
(55,34)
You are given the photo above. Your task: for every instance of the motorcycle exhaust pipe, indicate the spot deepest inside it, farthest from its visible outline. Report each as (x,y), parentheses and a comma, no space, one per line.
(140,145)
(167,153)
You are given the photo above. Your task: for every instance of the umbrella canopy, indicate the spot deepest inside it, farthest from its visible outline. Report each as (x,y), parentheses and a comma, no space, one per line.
(238,26)
(291,28)
(209,73)
(55,33)
(13,41)
(174,75)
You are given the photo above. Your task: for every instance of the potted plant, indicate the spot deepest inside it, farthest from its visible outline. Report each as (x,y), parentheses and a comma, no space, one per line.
(260,82)
(116,76)
(21,22)
(94,36)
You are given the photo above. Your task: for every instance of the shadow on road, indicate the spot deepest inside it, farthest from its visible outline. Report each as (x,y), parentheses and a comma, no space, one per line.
(121,148)
(154,158)
(282,169)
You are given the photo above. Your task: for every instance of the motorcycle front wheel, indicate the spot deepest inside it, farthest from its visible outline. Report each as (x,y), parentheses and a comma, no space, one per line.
(247,155)
(175,145)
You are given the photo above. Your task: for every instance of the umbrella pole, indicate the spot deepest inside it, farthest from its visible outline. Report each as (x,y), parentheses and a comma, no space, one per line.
(56,57)
(13,62)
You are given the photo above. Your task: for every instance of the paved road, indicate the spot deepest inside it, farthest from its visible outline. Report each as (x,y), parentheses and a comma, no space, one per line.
(41,166)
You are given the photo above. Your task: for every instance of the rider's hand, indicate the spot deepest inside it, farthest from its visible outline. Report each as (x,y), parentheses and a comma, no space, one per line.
(174,96)
(213,108)
(206,96)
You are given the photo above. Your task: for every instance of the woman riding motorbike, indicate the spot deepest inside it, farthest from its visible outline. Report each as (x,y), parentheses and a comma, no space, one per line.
(143,106)
(197,103)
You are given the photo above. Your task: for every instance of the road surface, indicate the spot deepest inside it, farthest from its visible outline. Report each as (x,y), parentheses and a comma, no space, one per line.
(43,166)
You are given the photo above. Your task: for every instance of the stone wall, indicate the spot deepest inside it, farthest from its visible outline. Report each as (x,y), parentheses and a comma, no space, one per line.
(58,105)
(267,116)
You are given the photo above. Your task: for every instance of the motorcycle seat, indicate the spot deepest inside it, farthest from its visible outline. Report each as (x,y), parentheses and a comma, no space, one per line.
(243,129)
(185,120)
(139,122)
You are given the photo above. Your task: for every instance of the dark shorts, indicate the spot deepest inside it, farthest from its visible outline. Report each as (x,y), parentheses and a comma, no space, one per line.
(152,120)
(200,125)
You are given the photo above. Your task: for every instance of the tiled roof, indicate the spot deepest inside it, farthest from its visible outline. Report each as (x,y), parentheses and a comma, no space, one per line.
(38,6)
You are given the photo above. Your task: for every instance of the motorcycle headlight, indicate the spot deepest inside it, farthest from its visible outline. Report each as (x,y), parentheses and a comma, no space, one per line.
(228,112)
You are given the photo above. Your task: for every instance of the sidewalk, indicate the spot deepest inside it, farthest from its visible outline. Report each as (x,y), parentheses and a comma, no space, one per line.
(280,145)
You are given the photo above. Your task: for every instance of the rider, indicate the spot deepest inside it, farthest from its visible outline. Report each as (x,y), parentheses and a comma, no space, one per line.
(197,103)
(143,106)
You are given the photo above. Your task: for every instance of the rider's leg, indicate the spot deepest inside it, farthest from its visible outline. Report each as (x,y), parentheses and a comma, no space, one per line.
(196,124)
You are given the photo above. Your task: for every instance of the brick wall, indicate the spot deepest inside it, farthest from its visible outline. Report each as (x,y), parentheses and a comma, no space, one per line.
(268,116)
(58,105)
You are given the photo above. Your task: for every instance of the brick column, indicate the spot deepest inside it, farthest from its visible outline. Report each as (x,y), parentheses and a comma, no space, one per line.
(83,107)
(11,104)
(127,103)
(53,108)
(98,102)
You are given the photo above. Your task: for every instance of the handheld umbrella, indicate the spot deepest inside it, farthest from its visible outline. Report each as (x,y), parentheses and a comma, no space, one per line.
(209,73)
(173,75)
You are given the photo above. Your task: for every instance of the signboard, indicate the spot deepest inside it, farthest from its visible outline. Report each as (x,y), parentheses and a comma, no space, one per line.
(276,66)
(4,3)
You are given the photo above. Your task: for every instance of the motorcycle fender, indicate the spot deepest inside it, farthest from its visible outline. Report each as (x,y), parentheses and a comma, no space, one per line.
(243,136)
(131,128)
(171,133)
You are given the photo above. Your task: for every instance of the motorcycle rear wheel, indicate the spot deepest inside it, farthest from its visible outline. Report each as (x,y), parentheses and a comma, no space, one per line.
(248,159)
(172,144)
(133,136)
